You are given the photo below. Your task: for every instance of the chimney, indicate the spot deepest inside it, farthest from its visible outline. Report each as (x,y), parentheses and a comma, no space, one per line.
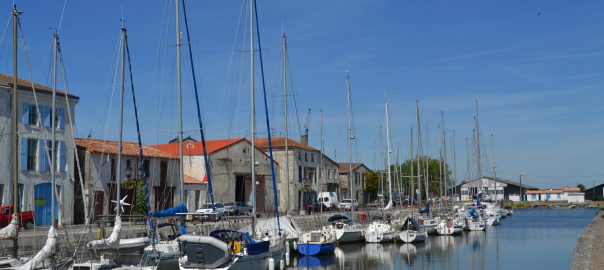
(304,139)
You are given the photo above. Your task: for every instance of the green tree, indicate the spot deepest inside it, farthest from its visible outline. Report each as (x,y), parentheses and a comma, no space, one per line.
(581,186)
(372,185)
(140,203)
(436,179)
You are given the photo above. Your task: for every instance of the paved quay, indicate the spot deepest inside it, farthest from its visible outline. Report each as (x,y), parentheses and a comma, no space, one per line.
(589,249)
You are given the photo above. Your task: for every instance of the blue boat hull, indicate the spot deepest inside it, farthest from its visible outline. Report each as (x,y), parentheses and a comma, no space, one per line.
(316,249)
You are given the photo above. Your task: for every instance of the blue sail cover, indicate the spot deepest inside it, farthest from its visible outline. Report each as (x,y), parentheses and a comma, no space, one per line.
(171,212)
(426,209)
(473,212)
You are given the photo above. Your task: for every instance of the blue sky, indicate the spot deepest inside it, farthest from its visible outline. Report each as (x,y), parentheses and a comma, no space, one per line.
(536,69)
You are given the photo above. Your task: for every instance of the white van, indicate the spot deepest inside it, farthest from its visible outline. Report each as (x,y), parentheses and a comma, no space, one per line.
(330,199)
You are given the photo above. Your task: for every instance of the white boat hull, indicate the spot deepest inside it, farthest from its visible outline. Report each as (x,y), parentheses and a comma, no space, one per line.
(350,235)
(410,236)
(379,237)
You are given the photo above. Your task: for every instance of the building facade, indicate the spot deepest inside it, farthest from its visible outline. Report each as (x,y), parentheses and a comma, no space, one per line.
(231,170)
(494,188)
(358,180)
(98,160)
(35,151)
(571,195)
(304,163)
(596,193)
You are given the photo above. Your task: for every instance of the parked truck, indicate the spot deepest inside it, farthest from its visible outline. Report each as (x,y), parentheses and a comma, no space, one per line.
(26,219)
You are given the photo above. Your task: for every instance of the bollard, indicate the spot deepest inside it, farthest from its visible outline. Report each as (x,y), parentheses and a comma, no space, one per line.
(271,263)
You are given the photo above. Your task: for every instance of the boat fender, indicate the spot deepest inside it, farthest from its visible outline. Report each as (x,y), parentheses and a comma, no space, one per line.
(295,245)
(235,247)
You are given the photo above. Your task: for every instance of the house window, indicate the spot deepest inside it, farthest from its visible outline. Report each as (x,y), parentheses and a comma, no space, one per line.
(306,157)
(28,154)
(33,115)
(534,196)
(112,169)
(128,168)
(147,165)
(548,196)
(299,173)
(312,157)
(299,156)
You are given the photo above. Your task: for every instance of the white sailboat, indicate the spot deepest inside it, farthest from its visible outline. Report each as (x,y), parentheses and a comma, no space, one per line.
(411,231)
(228,249)
(449,226)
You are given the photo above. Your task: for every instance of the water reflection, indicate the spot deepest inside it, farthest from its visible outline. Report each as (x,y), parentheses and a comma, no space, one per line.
(532,238)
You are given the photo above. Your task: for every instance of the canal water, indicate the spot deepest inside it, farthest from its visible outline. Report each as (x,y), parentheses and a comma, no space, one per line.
(530,239)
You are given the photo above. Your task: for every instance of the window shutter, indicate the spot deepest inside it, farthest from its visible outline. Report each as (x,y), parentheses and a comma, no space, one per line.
(61,118)
(23,161)
(62,157)
(45,115)
(43,164)
(25,114)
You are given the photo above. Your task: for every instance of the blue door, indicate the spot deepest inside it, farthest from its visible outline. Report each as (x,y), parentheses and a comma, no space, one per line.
(42,197)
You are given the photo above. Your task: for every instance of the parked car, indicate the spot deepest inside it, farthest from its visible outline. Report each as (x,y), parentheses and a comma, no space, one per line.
(237,208)
(212,212)
(26,219)
(348,204)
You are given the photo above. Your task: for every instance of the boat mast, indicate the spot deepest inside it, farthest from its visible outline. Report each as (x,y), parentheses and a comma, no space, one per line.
(53,124)
(15,131)
(419,143)
(477,133)
(284,52)
(384,163)
(118,167)
(253,118)
(445,165)
(494,164)
(468,170)
(411,186)
(321,164)
(388,158)
(179,83)
(350,138)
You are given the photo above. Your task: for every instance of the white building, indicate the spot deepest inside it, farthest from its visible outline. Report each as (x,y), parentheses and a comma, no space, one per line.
(571,195)
(304,164)
(98,159)
(34,143)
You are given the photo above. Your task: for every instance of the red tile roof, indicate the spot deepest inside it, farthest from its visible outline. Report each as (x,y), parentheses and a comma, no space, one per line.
(110,147)
(279,143)
(192,180)
(572,189)
(344,167)
(25,84)
(195,148)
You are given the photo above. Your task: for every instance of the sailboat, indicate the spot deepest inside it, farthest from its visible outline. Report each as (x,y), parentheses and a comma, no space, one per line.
(411,231)
(380,230)
(229,249)
(112,243)
(472,220)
